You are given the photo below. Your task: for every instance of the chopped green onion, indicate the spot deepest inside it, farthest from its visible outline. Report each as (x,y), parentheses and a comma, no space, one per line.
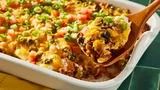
(108,19)
(9,1)
(48,1)
(37,9)
(64,15)
(74,35)
(3,36)
(43,16)
(124,26)
(47,9)
(57,6)
(73,27)
(14,26)
(36,33)
(68,37)
(26,33)
(122,22)
(48,32)
(69,29)
(8,14)
(58,23)
(22,1)
(99,14)
(21,38)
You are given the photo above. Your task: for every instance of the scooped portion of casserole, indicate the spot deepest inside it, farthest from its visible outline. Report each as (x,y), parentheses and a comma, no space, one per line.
(44,32)
(103,35)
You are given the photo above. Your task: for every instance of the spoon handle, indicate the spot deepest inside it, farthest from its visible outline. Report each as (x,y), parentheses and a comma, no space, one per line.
(141,17)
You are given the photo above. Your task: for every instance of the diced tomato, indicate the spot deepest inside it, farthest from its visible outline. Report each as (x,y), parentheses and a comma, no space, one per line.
(21,28)
(70,8)
(61,33)
(2,21)
(55,13)
(14,5)
(89,17)
(32,57)
(74,47)
(27,5)
(83,18)
(71,18)
(3,9)
(19,20)
(39,1)
(86,11)
(64,22)
(12,21)
(11,33)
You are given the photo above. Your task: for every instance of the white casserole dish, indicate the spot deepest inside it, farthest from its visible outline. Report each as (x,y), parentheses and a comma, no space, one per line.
(56,80)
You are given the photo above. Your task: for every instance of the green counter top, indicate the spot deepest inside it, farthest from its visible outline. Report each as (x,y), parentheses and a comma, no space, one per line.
(146,75)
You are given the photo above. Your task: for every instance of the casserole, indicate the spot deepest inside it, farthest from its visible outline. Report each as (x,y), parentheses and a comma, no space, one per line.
(59,81)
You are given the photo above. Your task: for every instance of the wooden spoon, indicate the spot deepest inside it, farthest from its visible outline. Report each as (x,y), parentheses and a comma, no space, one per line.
(138,22)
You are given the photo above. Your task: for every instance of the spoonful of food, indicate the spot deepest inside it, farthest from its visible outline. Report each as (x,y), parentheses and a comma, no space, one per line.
(108,39)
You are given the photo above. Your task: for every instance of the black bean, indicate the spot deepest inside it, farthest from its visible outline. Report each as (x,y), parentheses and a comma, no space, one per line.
(48,61)
(105,35)
(106,41)
(98,8)
(39,55)
(66,49)
(72,56)
(54,29)
(30,41)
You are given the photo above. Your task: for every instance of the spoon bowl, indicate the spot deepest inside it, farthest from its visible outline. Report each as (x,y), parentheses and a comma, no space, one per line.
(138,20)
